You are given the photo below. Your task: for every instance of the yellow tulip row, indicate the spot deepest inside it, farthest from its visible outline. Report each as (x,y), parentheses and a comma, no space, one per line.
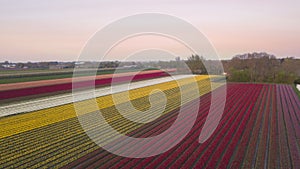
(25,122)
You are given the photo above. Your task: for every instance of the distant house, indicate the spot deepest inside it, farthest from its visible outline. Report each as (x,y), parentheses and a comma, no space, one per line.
(86,64)
(128,67)
(60,66)
(52,67)
(9,66)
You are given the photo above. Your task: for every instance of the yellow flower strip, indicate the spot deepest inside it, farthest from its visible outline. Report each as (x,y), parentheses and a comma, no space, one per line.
(24,122)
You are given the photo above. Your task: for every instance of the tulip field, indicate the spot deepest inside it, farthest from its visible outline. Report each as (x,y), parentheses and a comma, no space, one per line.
(260,128)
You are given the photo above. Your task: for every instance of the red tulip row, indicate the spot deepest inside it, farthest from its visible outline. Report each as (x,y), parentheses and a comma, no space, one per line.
(283,144)
(52,88)
(263,135)
(230,142)
(249,138)
(274,140)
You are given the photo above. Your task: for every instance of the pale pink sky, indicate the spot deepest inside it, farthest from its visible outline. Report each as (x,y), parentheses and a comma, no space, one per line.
(37,30)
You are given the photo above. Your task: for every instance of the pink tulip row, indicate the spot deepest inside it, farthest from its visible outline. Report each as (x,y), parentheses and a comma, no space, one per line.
(290,128)
(53,88)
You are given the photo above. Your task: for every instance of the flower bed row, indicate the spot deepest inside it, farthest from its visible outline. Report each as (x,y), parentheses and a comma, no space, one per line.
(67,86)
(292,124)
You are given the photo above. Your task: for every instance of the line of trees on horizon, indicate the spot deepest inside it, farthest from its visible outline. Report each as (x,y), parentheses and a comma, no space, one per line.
(252,67)
(262,67)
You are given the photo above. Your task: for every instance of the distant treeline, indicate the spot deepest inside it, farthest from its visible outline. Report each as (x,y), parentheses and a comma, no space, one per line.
(251,67)
(262,67)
